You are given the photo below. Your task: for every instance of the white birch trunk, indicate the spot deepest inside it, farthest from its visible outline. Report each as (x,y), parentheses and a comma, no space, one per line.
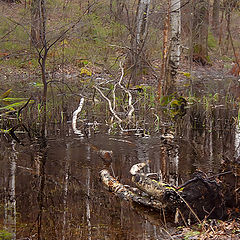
(175,33)
(174,52)
(138,39)
(142,20)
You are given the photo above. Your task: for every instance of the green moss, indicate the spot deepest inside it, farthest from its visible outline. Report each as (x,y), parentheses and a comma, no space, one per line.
(5,235)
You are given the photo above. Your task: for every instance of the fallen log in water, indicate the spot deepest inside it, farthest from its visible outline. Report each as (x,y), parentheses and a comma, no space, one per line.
(199,198)
(122,192)
(157,189)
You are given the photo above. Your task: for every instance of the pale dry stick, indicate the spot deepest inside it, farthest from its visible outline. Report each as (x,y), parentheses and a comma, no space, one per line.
(129,116)
(190,208)
(114,95)
(74,118)
(110,105)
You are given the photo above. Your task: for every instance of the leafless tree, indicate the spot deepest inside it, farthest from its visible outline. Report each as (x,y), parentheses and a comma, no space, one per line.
(37,12)
(200,30)
(139,39)
(215,17)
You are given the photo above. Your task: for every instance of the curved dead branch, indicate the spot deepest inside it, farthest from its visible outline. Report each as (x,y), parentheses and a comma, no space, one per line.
(74,118)
(112,103)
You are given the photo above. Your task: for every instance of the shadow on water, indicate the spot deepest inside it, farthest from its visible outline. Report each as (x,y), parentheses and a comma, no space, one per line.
(50,188)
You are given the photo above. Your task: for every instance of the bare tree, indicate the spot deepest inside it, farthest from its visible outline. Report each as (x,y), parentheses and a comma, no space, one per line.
(36,23)
(118,12)
(215,17)
(174,51)
(139,39)
(200,30)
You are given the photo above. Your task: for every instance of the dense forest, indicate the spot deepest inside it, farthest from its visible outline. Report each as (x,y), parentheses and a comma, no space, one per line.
(159,77)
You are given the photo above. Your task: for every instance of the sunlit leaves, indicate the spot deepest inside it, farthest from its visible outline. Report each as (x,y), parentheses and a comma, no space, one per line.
(11,104)
(5,94)
(85,72)
(15,105)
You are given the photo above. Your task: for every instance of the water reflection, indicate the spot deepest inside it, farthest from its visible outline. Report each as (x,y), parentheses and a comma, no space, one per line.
(65,189)
(52,190)
(237,140)
(10,213)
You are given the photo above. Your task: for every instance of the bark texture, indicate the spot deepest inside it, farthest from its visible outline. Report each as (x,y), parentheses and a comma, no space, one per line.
(201,197)
(36,23)
(215,17)
(137,58)
(174,58)
(200,31)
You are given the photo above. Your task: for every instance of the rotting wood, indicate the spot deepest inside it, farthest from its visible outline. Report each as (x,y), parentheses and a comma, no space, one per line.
(199,198)
(157,189)
(122,192)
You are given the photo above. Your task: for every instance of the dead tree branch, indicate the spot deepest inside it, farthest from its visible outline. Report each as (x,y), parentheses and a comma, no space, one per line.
(74,118)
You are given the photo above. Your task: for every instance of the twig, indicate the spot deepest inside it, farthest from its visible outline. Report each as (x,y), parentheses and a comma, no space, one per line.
(110,105)
(19,111)
(131,108)
(190,208)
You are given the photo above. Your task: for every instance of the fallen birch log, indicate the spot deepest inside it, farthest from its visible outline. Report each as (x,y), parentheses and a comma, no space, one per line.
(197,199)
(114,186)
(157,189)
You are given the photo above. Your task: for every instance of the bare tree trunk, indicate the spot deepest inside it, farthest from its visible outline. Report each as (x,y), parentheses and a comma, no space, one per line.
(174,58)
(36,23)
(215,17)
(200,30)
(164,50)
(138,40)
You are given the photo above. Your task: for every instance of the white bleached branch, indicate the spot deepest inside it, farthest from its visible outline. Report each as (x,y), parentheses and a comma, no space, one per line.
(74,118)
(109,104)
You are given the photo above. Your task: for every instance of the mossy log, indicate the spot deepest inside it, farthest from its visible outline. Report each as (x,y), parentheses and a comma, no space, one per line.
(114,186)
(199,198)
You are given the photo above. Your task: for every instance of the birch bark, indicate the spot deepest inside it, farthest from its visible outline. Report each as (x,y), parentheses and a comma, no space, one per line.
(175,34)
(139,37)
(174,51)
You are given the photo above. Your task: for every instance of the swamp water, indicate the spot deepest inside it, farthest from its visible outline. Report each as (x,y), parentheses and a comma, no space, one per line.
(50,188)
(54,192)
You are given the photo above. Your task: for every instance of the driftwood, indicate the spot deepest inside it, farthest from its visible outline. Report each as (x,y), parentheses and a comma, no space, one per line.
(125,193)
(199,198)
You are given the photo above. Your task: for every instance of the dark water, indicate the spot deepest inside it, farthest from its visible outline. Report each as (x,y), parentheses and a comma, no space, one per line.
(52,190)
